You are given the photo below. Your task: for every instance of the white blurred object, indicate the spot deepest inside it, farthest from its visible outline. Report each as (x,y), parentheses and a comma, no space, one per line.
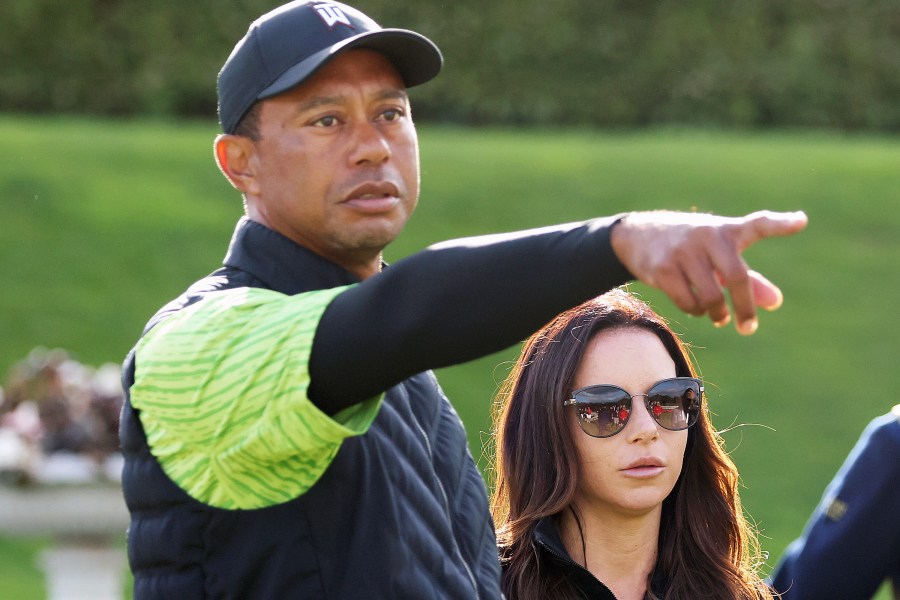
(83,573)
(59,450)
(14,454)
(87,523)
(67,512)
(112,467)
(24,420)
(65,467)
(107,380)
(20,432)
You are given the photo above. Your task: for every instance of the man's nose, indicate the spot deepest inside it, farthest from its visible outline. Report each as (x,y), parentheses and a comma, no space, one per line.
(369,144)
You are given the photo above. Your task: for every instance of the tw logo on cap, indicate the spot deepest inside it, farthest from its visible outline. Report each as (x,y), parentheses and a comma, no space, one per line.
(332,15)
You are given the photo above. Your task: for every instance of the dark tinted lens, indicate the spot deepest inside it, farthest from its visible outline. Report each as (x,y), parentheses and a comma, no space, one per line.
(602,410)
(675,403)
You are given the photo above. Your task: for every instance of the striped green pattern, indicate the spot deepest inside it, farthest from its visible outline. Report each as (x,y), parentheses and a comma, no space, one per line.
(221,387)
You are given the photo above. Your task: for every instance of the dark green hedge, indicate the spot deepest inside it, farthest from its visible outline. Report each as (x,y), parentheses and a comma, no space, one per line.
(807,63)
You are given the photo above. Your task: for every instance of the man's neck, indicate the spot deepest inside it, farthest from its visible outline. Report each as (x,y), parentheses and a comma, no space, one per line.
(364,269)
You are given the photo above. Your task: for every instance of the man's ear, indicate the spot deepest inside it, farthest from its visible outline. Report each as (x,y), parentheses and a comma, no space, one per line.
(235,156)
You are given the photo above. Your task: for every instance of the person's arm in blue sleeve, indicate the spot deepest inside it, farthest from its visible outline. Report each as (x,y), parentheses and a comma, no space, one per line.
(851,544)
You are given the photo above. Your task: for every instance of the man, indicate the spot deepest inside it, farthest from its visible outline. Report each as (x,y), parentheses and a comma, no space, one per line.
(284,436)
(851,543)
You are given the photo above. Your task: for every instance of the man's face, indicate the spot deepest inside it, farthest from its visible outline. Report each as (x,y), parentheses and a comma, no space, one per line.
(338,160)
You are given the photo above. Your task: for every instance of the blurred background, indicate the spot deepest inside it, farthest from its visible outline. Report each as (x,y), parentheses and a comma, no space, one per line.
(111,204)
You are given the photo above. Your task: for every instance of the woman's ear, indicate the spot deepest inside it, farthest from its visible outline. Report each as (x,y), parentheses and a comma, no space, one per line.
(235,156)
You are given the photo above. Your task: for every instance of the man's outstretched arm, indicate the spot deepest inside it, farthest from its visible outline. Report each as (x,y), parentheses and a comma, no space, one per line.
(464,299)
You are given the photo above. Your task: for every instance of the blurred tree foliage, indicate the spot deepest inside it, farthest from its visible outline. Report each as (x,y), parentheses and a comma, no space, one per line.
(610,63)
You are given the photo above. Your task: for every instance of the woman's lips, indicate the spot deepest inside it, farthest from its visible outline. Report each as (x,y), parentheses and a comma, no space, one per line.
(645,467)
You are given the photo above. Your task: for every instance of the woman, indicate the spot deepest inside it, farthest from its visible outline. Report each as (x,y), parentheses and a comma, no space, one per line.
(610,481)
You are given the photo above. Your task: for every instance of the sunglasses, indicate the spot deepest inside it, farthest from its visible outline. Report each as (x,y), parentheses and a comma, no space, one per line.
(603,410)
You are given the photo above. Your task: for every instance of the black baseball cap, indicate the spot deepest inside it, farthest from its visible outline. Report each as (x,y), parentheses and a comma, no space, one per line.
(285,46)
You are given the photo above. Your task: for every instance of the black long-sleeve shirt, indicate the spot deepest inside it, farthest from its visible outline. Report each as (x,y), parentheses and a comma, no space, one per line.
(455,302)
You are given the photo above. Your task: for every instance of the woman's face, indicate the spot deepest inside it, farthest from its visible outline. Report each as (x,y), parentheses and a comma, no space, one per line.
(632,472)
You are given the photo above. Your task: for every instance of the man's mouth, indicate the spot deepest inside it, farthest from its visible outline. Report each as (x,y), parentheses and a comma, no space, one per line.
(373,191)
(373,197)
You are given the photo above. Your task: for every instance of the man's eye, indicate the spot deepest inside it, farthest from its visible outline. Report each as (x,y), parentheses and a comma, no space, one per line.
(393,114)
(329,121)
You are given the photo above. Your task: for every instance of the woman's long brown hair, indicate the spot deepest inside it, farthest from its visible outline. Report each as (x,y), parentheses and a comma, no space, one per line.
(706,547)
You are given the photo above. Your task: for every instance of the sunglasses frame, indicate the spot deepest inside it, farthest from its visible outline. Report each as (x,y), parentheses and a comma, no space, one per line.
(573,401)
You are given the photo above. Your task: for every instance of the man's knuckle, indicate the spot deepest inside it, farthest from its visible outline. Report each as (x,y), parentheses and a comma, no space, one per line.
(736,276)
(666,269)
(710,297)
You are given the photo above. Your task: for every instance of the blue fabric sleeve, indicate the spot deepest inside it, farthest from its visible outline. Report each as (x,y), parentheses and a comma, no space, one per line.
(851,543)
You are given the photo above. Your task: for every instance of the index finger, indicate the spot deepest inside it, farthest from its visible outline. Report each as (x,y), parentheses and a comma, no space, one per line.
(765,224)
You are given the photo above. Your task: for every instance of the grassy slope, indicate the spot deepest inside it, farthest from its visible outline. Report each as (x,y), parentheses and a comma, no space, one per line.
(104,221)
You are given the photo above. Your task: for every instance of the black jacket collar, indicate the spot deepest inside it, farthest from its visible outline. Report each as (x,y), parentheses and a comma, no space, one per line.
(546,534)
(280,263)
(546,539)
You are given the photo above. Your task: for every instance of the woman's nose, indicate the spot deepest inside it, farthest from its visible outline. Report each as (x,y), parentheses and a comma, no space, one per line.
(641,425)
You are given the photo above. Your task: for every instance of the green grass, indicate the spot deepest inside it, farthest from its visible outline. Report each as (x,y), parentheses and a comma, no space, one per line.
(103,221)
(20,576)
